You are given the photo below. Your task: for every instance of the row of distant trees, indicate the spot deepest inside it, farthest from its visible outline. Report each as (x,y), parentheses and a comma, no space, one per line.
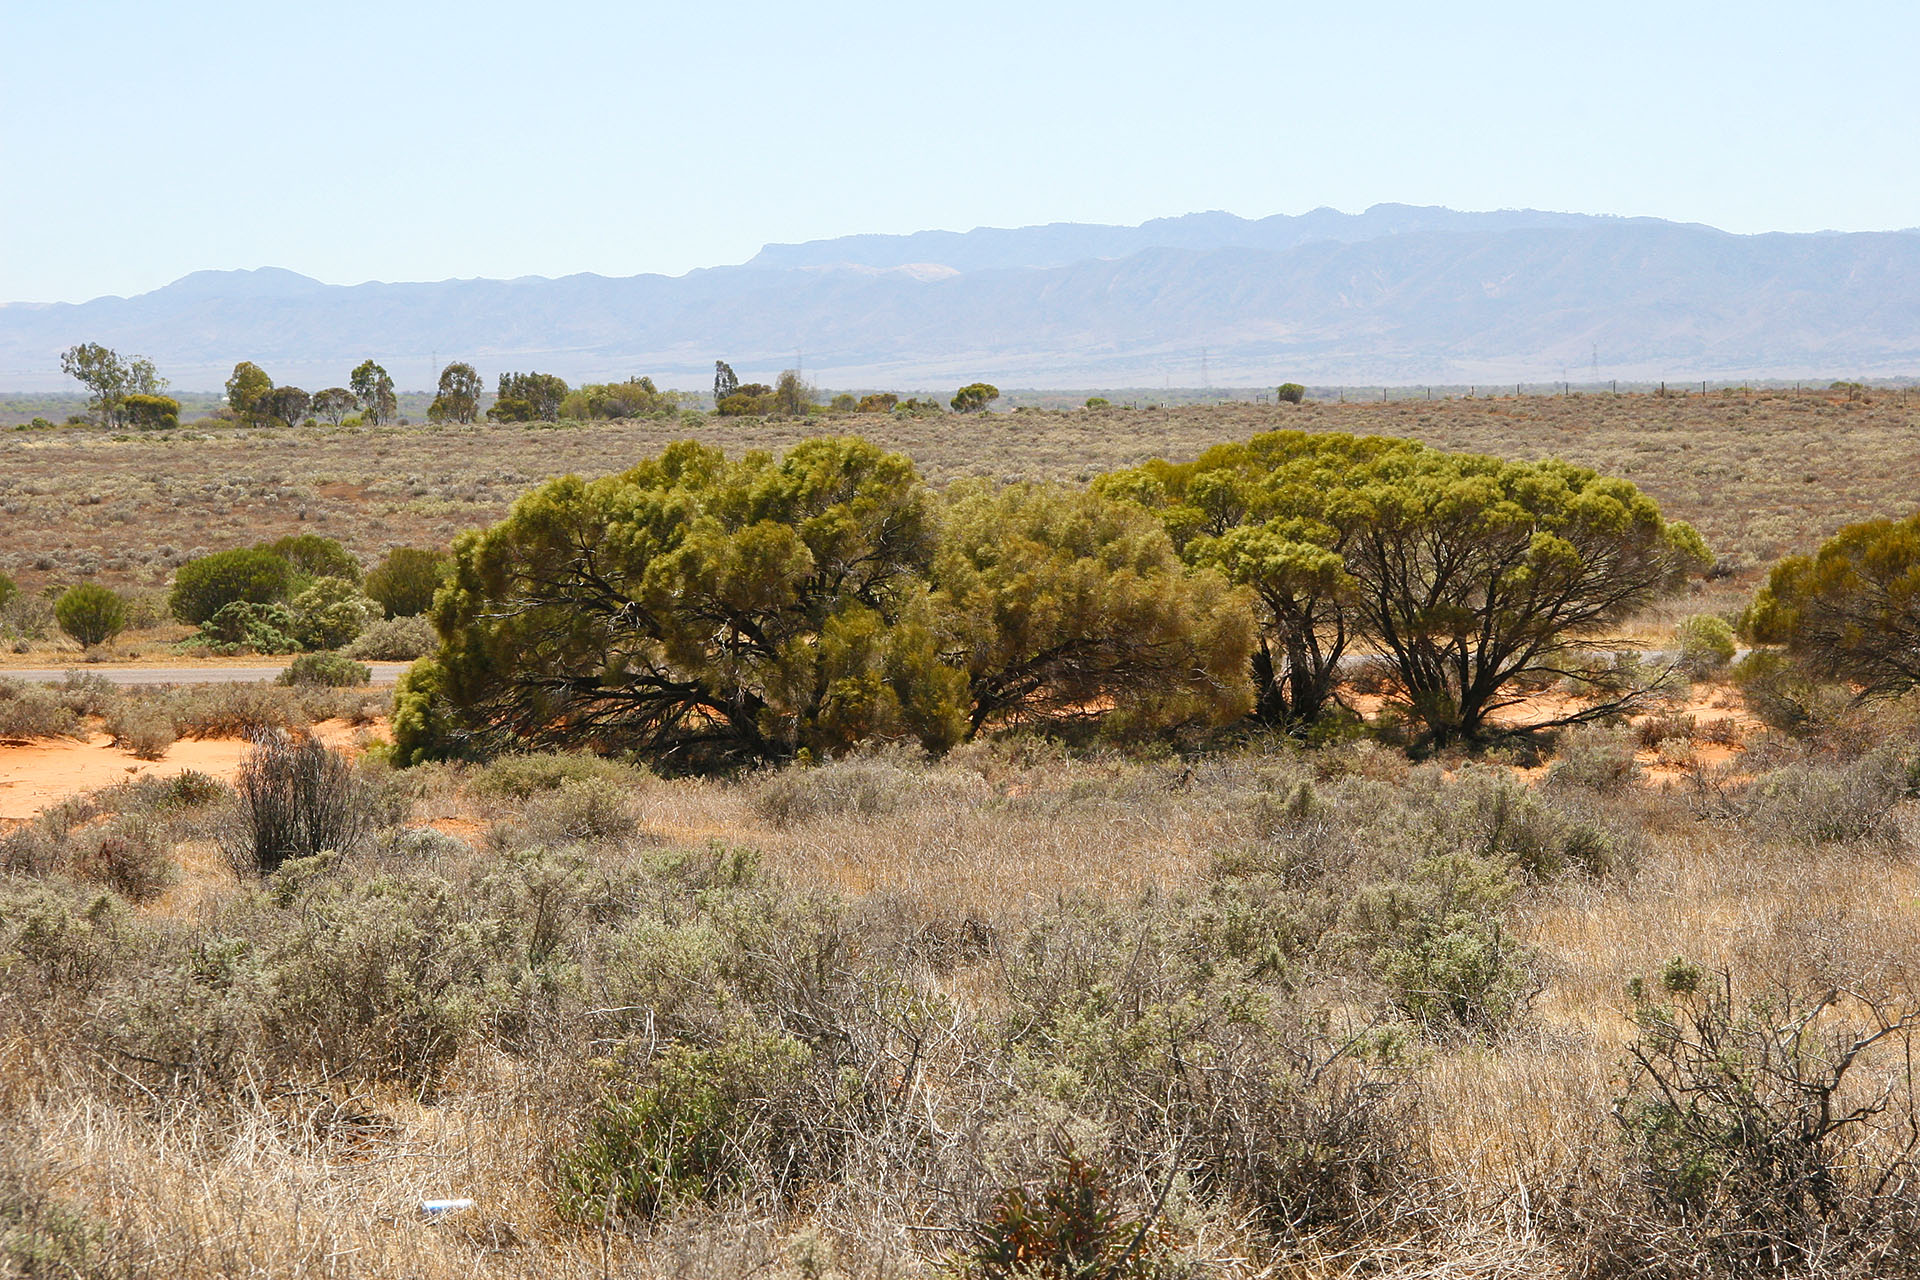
(128,391)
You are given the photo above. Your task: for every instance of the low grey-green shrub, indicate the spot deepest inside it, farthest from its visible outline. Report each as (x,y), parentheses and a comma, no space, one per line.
(400,639)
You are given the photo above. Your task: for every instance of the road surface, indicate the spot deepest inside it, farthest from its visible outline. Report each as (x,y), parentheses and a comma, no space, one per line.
(383,673)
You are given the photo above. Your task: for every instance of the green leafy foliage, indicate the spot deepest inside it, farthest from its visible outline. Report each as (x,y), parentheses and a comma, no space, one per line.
(111,379)
(330,613)
(202,587)
(329,670)
(1068,607)
(691,1133)
(373,388)
(528,397)
(91,614)
(403,582)
(151,412)
(313,555)
(458,399)
(634,398)
(975,397)
(1851,611)
(247,390)
(1290,393)
(242,626)
(1705,644)
(333,404)
(703,612)
(1465,572)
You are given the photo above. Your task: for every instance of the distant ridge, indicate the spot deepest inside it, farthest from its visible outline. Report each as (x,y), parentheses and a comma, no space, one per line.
(1396,294)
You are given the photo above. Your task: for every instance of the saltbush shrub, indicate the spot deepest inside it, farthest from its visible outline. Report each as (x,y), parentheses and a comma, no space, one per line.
(394,640)
(331,670)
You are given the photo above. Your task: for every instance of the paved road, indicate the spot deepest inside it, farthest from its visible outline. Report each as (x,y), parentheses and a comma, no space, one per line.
(383,673)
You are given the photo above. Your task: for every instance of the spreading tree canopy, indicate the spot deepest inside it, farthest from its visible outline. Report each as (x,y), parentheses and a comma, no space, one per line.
(701,611)
(1465,573)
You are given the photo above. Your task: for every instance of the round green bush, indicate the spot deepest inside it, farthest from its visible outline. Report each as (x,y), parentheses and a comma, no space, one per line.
(1705,644)
(403,584)
(205,586)
(333,670)
(91,614)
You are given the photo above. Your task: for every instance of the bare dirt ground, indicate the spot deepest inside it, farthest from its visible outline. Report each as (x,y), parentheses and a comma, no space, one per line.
(37,775)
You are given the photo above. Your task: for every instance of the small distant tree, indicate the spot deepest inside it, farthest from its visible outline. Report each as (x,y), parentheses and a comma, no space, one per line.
(845,402)
(878,402)
(748,400)
(247,391)
(374,390)
(285,405)
(111,379)
(459,396)
(1290,393)
(333,404)
(152,413)
(791,395)
(975,397)
(528,397)
(1098,402)
(91,614)
(725,382)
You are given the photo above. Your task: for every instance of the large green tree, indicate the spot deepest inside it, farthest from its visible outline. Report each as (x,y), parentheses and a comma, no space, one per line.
(1850,611)
(110,378)
(1067,607)
(701,611)
(528,397)
(459,396)
(247,391)
(1466,574)
(373,388)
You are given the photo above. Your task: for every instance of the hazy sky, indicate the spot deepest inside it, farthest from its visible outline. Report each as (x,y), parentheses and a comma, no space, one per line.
(396,141)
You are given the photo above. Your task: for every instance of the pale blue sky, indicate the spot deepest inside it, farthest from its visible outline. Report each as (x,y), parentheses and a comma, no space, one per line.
(141,141)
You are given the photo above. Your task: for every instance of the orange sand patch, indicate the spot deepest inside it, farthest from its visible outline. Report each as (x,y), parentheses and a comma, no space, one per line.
(35,775)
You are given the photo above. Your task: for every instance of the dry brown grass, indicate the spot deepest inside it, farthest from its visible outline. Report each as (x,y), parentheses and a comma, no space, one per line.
(1760,473)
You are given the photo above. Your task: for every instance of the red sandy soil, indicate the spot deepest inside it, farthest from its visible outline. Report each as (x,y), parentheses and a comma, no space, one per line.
(38,774)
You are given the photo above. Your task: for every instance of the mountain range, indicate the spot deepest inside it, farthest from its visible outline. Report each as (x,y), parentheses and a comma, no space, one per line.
(1398,294)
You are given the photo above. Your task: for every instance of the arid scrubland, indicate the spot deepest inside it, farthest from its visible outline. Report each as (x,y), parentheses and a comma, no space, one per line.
(1759,474)
(1637,1004)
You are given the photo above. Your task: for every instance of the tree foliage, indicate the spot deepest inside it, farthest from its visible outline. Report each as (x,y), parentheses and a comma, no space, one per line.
(314,555)
(703,612)
(404,582)
(1464,572)
(285,405)
(459,395)
(247,391)
(725,381)
(1290,393)
(1067,607)
(373,388)
(333,404)
(151,413)
(791,394)
(1850,611)
(202,587)
(634,398)
(110,378)
(528,397)
(975,397)
(90,613)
